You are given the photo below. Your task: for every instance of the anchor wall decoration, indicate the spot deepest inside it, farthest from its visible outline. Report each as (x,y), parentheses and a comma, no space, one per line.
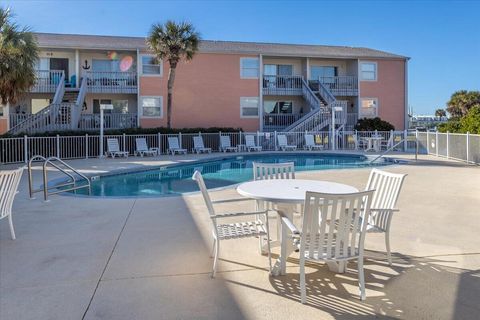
(86,66)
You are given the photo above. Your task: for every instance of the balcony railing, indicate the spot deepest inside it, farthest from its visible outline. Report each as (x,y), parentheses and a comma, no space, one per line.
(110,121)
(111,82)
(272,122)
(341,85)
(282,85)
(47,80)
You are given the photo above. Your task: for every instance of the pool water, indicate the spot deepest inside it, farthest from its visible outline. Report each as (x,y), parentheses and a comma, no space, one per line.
(217,172)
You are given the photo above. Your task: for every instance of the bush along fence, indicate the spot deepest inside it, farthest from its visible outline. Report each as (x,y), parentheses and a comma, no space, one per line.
(456,146)
(21,149)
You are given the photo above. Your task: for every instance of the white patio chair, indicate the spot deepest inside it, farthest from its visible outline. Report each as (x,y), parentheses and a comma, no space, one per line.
(250,143)
(320,241)
(385,144)
(174,146)
(360,143)
(310,143)
(9,181)
(143,149)
(230,230)
(387,189)
(269,171)
(226,144)
(283,144)
(198,145)
(113,149)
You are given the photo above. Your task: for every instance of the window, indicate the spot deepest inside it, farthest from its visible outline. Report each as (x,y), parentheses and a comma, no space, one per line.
(2,110)
(249,107)
(317,72)
(150,66)
(39,104)
(249,68)
(152,106)
(278,70)
(276,107)
(369,108)
(368,71)
(99,65)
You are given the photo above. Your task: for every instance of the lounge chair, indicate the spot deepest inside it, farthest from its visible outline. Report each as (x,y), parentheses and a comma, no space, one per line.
(310,143)
(198,145)
(283,144)
(226,144)
(360,143)
(239,229)
(174,146)
(9,181)
(114,149)
(318,243)
(250,144)
(143,149)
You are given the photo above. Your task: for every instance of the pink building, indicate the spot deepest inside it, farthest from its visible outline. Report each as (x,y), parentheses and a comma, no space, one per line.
(253,86)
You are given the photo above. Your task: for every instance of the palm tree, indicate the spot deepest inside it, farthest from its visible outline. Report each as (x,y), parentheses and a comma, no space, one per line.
(18,55)
(173,42)
(439,113)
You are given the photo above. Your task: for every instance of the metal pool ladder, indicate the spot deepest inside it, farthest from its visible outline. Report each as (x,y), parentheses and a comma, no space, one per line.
(70,185)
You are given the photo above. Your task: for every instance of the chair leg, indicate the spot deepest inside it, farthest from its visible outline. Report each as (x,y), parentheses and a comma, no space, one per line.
(303,289)
(268,245)
(387,244)
(215,260)
(10,222)
(213,248)
(361,279)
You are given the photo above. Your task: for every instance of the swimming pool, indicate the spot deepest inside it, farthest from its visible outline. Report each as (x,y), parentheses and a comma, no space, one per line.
(217,172)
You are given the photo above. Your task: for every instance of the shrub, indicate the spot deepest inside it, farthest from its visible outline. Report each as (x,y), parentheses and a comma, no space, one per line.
(372,124)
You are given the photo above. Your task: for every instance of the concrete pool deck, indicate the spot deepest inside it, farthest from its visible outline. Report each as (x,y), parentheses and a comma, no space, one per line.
(148,258)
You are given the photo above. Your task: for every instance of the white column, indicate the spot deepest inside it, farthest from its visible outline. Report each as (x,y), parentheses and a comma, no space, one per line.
(260,91)
(138,87)
(77,68)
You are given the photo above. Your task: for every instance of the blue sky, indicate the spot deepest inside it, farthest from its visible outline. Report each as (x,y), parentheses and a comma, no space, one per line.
(441,37)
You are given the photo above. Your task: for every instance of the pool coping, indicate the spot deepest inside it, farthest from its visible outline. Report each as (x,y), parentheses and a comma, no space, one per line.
(216,157)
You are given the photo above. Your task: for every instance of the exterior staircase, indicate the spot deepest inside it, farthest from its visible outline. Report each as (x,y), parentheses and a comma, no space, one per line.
(62,114)
(322,103)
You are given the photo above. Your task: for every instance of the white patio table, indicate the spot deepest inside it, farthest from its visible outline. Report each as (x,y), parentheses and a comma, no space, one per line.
(287,194)
(373,143)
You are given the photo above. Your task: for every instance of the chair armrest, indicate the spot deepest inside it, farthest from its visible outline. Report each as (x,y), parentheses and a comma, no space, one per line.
(238,214)
(286,222)
(230,200)
(391,210)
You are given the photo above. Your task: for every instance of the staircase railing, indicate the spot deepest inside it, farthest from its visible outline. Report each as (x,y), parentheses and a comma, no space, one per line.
(309,96)
(77,108)
(39,121)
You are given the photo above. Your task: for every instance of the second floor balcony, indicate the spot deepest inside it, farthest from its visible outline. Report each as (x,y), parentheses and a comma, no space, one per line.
(338,85)
(111,82)
(97,82)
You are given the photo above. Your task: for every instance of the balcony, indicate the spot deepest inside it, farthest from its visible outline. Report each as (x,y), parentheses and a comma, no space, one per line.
(338,86)
(282,85)
(272,122)
(47,81)
(111,82)
(110,121)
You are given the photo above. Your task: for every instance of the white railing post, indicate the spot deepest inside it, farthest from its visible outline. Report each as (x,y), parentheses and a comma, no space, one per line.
(448,145)
(180,140)
(275,140)
(436,142)
(416,144)
(159,138)
(124,145)
(258,137)
(428,143)
(58,146)
(86,145)
(240,137)
(468,146)
(405,142)
(25,148)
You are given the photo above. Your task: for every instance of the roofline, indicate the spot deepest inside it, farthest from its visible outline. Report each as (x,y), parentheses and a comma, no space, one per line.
(144,47)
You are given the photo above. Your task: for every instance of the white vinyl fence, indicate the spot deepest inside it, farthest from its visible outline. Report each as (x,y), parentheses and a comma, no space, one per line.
(21,149)
(457,146)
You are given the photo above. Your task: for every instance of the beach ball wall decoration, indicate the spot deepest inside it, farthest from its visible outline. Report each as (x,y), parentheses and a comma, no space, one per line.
(126,63)
(112,55)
